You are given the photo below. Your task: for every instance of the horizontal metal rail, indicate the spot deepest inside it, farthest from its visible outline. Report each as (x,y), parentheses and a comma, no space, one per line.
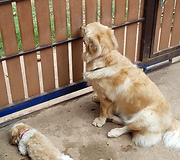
(128,23)
(62,42)
(38,48)
(8,1)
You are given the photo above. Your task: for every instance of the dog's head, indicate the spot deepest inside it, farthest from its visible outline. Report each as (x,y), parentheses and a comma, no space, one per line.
(99,39)
(16,132)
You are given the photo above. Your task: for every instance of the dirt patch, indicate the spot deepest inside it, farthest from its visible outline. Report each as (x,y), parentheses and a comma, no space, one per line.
(128,148)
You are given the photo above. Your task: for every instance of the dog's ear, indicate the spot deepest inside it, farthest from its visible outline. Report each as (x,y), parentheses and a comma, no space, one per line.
(14,131)
(92,43)
(13,135)
(113,38)
(82,31)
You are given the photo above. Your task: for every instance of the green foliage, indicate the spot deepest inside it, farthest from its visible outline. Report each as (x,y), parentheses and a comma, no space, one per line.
(1,47)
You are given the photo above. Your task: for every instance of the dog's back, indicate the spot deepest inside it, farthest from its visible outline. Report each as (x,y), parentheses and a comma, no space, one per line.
(40,147)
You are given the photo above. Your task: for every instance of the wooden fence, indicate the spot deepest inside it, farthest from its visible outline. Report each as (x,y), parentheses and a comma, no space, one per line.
(45,54)
(167,32)
(160,35)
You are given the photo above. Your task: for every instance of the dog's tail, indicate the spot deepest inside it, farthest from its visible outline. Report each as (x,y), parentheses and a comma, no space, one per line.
(172,135)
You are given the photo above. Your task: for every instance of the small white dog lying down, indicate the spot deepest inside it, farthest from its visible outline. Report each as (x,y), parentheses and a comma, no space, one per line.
(34,144)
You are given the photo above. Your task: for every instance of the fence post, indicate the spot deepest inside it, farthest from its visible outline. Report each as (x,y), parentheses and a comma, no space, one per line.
(148,29)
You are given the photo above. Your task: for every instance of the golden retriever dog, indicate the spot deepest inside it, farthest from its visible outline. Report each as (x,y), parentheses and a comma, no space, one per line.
(127,96)
(34,144)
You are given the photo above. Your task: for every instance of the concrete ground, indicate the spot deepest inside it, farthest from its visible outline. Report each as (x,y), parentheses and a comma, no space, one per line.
(69,126)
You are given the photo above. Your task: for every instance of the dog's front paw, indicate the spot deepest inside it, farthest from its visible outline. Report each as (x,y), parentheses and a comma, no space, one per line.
(22,148)
(23,151)
(99,122)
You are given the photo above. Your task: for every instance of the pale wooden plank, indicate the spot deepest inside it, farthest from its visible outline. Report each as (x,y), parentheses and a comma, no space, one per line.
(138,56)
(44,32)
(3,95)
(166,24)
(46,104)
(176,26)
(106,12)
(59,9)
(119,18)
(91,11)
(76,23)
(10,47)
(131,30)
(28,42)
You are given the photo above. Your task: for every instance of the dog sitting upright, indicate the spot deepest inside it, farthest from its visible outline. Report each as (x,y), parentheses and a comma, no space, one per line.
(34,144)
(126,94)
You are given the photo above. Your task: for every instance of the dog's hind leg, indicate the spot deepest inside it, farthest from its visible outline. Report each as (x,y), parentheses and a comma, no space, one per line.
(147,139)
(116,132)
(116,119)
(146,127)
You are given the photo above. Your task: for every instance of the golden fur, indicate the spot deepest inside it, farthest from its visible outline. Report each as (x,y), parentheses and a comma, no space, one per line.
(127,96)
(34,144)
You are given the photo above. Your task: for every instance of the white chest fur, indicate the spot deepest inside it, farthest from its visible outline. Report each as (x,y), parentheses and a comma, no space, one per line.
(22,142)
